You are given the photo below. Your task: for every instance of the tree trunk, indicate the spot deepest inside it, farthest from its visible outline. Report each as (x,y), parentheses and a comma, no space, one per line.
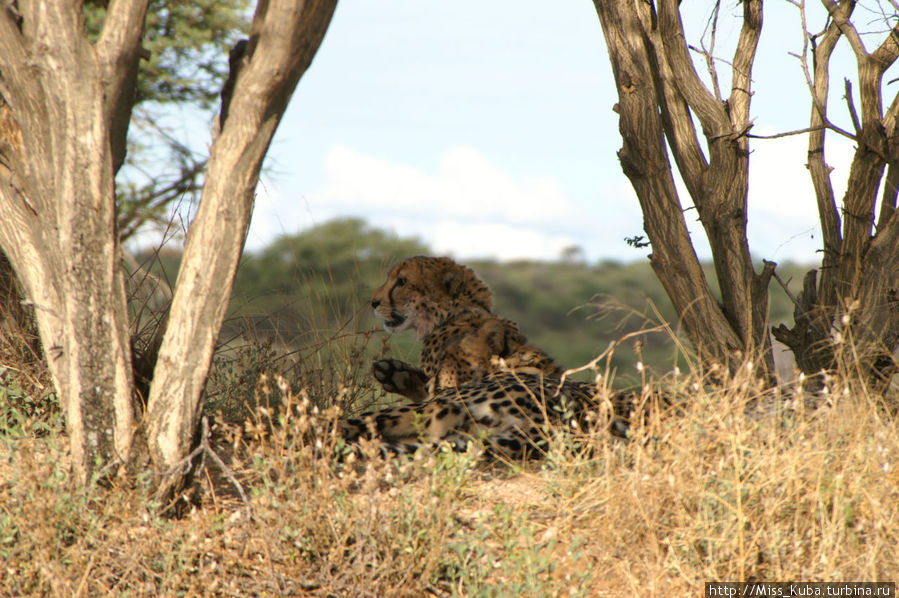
(659,92)
(849,318)
(62,99)
(284,38)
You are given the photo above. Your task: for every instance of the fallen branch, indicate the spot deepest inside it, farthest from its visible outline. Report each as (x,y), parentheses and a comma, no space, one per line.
(204,449)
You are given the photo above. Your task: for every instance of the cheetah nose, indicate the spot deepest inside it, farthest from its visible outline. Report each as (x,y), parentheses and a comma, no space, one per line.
(375,303)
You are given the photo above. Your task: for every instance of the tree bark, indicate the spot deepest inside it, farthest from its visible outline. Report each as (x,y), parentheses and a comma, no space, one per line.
(284,38)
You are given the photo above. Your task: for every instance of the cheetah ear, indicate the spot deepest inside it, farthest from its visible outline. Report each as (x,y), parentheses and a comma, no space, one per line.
(452,281)
(495,338)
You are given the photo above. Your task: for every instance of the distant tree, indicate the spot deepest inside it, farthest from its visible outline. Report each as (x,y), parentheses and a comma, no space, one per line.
(573,254)
(339,249)
(661,97)
(65,105)
(334,266)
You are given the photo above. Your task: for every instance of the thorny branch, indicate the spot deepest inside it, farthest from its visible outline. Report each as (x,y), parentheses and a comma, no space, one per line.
(830,36)
(786,133)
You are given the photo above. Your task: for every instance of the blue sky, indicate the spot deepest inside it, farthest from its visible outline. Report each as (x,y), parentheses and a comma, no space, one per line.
(486,128)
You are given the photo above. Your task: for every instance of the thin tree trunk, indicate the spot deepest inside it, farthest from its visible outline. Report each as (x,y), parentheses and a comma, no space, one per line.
(284,38)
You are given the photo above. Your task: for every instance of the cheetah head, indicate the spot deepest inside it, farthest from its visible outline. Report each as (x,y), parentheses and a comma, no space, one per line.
(422,292)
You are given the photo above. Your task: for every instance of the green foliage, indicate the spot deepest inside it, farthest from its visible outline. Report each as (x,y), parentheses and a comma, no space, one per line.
(27,402)
(23,412)
(188,44)
(575,310)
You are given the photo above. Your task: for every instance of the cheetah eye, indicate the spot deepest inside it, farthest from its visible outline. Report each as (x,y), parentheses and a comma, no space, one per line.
(400,282)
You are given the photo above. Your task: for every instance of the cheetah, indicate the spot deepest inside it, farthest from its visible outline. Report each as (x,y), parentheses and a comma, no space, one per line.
(479,377)
(449,308)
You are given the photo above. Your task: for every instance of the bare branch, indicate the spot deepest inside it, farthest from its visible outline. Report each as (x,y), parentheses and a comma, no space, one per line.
(744,57)
(204,448)
(886,54)
(891,183)
(785,134)
(743,131)
(819,83)
(122,31)
(889,119)
(141,207)
(710,112)
(676,119)
(840,18)
(710,52)
(786,290)
(851,107)
(118,52)
(830,37)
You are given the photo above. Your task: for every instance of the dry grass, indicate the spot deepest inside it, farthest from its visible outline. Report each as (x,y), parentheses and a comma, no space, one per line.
(708,493)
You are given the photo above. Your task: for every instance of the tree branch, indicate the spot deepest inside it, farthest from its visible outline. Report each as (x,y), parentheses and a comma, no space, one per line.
(840,17)
(831,36)
(886,54)
(141,207)
(118,53)
(888,198)
(819,85)
(891,184)
(850,105)
(790,133)
(676,119)
(890,118)
(709,53)
(744,57)
(205,449)
(710,112)
(786,290)
(283,40)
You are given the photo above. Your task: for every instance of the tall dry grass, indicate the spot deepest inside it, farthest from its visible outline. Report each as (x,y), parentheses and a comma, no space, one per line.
(726,485)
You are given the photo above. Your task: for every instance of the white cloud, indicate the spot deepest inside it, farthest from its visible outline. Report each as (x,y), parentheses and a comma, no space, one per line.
(495,239)
(465,185)
(468,208)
